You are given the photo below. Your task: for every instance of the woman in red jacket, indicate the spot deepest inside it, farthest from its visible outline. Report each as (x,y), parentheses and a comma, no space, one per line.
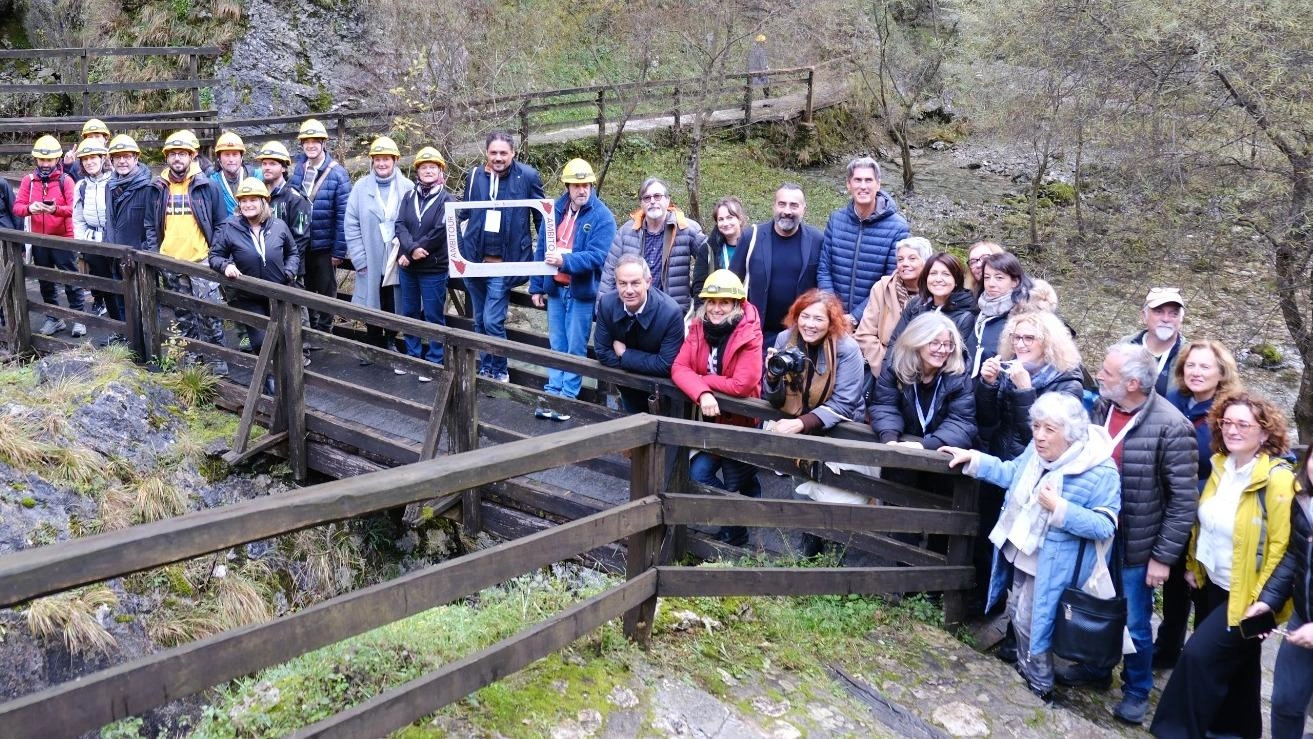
(722,354)
(46,196)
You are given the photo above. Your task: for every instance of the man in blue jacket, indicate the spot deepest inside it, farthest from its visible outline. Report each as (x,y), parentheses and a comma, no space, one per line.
(584,229)
(326,184)
(638,329)
(860,239)
(498,235)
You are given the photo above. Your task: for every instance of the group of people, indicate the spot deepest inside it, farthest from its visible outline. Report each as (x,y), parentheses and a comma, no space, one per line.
(1162,452)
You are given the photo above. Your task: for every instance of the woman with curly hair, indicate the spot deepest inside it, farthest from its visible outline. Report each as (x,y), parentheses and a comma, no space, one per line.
(814,371)
(1240,537)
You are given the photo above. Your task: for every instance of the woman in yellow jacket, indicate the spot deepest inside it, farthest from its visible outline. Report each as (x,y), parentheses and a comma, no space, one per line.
(1238,541)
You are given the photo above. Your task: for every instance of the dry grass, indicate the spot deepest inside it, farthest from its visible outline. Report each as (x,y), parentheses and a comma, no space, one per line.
(20,445)
(75,465)
(170,630)
(155,498)
(332,559)
(226,11)
(117,508)
(193,384)
(71,617)
(241,599)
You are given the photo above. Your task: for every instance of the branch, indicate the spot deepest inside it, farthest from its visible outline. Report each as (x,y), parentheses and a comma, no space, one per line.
(1255,110)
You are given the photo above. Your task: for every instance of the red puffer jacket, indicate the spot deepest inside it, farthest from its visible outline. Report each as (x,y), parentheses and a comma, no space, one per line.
(740,368)
(59,188)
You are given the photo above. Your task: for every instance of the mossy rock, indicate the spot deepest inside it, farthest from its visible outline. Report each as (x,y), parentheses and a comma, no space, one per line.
(1058,193)
(1268,355)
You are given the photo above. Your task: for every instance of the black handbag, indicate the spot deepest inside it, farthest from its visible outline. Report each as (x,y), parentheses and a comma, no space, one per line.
(1088,629)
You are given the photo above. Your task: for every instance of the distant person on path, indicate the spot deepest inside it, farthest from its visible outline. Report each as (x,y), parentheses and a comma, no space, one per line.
(327,186)
(722,354)
(93,130)
(778,262)
(422,252)
(585,229)
(46,197)
(860,239)
(229,153)
(131,199)
(7,218)
(498,235)
(182,223)
(1154,450)
(639,329)
(888,298)
(1163,314)
(91,217)
(757,62)
(371,229)
(669,241)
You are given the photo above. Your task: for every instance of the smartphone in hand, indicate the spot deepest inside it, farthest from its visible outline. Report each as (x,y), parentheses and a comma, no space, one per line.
(1260,625)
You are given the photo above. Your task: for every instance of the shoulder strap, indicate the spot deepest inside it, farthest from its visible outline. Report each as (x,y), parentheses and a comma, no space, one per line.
(747,260)
(1262,504)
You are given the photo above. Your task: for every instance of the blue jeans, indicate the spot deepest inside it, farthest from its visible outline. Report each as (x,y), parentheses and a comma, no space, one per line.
(423,295)
(1292,686)
(489,297)
(1137,669)
(569,322)
(740,477)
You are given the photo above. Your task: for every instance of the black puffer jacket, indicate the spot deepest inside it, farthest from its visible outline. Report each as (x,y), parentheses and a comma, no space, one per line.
(235,244)
(961,310)
(1159,491)
(1003,410)
(1291,577)
(892,407)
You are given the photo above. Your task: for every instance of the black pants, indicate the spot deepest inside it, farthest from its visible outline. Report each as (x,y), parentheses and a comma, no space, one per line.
(1177,600)
(101,266)
(377,335)
(59,259)
(1217,681)
(321,278)
(1292,685)
(254,304)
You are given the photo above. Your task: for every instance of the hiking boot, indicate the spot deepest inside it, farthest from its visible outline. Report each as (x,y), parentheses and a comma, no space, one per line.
(1007,648)
(52,326)
(1080,676)
(542,411)
(111,340)
(499,377)
(398,371)
(1131,710)
(219,367)
(560,416)
(79,329)
(244,344)
(1165,660)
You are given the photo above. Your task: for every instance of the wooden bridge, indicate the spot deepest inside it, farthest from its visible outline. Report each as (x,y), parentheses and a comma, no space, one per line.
(489,471)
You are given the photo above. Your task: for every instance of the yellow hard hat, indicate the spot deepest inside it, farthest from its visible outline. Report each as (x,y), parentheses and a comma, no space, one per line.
(47,147)
(123,143)
(429,154)
(181,140)
(229,141)
(94,126)
(761,38)
(384,147)
(252,187)
(723,284)
(312,129)
(578,172)
(91,149)
(276,151)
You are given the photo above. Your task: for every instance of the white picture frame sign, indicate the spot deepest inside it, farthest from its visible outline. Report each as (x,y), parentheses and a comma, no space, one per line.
(459,266)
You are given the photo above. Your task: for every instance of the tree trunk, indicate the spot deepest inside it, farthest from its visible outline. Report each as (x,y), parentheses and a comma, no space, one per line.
(1077,181)
(693,177)
(1290,263)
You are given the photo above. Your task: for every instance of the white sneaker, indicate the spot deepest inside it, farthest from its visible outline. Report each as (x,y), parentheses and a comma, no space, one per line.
(79,330)
(425,378)
(52,326)
(398,371)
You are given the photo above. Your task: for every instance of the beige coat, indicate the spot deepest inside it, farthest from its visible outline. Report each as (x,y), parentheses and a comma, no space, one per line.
(878,321)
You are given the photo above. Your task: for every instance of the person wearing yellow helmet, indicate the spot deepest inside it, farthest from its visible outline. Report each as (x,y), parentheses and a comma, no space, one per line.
(326,184)
(722,354)
(130,198)
(229,168)
(422,251)
(45,196)
(371,219)
(91,218)
(584,230)
(93,130)
(287,202)
(253,243)
(758,64)
(185,217)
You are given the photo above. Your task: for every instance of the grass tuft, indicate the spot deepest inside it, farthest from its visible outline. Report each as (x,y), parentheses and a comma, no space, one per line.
(193,384)
(72,618)
(156,498)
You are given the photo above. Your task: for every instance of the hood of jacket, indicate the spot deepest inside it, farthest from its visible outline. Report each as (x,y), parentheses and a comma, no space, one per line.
(884,207)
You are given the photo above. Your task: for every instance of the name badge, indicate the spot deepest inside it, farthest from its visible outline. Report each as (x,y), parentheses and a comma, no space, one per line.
(492,221)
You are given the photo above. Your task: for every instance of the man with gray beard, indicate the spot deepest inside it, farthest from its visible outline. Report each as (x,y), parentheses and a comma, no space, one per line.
(1163,314)
(778,262)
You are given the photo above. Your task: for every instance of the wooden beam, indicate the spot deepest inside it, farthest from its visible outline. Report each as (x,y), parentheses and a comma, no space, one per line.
(437,415)
(273,337)
(91,701)
(43,570)
(742,511)
(293,386)
(961,549)
(646,463)
(463,427)
(399,707)
(725,581)
(262,445)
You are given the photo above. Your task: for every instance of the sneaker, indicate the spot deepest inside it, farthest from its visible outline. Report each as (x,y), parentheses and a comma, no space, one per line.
(560,416)
(100,308)
(219,367)
(52,326)
(425,378)
(244,344)
(1080,676)
(398,371)
(542,411)
(305,361)
(1131,710)
(112,339)
(79,329)
(500,377)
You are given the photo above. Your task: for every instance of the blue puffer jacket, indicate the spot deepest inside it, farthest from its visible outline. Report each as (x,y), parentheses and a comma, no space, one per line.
(328,206)
(593,233)
(857,252)
(1093,502)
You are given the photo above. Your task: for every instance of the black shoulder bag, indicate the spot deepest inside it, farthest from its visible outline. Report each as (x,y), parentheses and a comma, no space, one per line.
(1088,629)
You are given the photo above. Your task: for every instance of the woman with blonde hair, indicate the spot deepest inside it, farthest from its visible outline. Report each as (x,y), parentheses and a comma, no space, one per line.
(924,390)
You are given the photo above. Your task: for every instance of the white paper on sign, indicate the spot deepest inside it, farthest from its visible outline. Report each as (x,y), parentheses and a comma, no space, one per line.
(492,221)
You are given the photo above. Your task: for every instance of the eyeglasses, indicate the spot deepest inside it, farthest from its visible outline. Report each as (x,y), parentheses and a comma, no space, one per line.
(946,346)
(653,197)
(1024,338)
(977,260)
(1241,426)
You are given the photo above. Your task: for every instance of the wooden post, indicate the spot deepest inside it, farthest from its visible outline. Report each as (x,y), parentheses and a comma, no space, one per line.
(341,132)
(645,470)
(292,379)
(747,105)
(811,92)
(960,549)
(146,286)
(440,400)
(19,328)
(86,80)
(463,424)
(193,73)
(132,316)
(524,126)
(601,123)
(678,102)
(679,482)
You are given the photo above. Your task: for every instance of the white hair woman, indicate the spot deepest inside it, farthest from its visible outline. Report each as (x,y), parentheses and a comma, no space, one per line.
(889,296)
(1063,490)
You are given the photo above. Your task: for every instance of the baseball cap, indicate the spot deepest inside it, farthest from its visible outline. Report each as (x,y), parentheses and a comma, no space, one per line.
(1162,296)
